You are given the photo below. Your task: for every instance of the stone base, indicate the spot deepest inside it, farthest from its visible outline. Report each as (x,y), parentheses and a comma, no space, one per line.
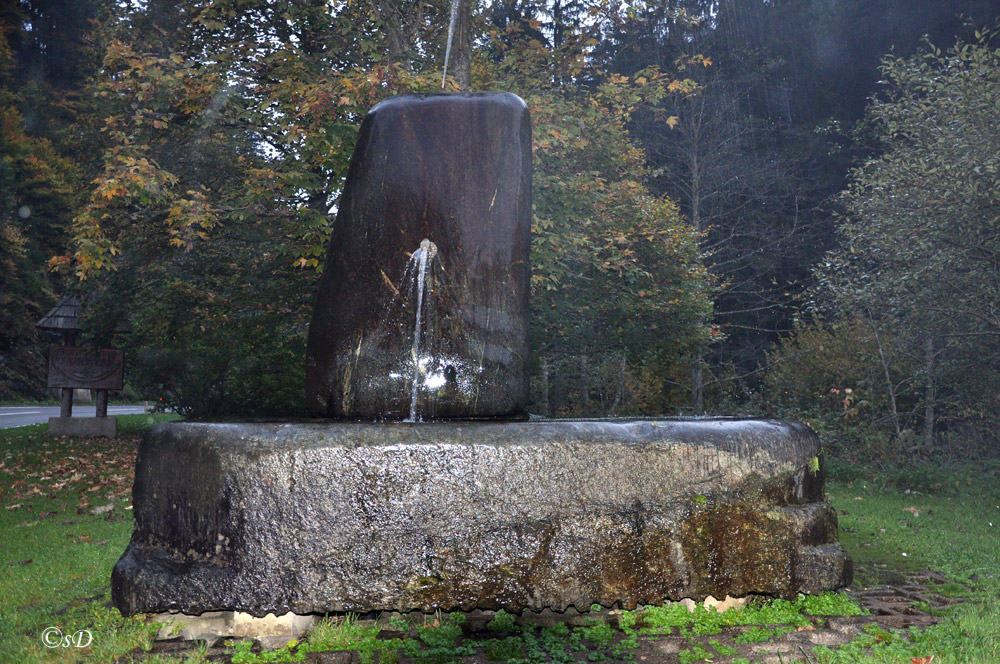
(316,518)
(83,426)
(271,631)
(276,631)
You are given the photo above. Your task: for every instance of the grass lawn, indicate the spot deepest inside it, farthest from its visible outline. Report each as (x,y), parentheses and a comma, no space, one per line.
(65,518)
(951,525)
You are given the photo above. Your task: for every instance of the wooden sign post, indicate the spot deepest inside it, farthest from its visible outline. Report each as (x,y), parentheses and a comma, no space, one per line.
(72,368)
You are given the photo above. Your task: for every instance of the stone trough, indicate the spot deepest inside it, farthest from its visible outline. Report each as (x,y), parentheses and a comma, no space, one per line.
(422,314)
(338,516)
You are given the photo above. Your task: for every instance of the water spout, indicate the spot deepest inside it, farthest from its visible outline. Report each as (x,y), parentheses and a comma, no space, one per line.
(420,257)
(451,32)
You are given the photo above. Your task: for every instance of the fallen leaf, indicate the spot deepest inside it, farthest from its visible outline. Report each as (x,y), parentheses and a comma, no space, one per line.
(806,628)
(20,562)
(102,509)
(922,660)
(14,506)
(914,511)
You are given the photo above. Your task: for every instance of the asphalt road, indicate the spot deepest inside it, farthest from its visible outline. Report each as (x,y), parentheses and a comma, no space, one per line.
(19,416)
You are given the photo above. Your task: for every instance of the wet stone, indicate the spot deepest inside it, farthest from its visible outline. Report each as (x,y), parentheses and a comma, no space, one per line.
(337,516)
(422,311)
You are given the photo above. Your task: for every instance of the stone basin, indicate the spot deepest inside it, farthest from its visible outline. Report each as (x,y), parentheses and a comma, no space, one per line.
(343,516)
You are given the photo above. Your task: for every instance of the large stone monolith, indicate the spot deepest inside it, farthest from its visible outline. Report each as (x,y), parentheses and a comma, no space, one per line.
(422,310)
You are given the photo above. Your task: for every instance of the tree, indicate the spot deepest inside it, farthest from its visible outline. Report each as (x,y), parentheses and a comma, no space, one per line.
(618,283)
(728,151)
(619,294)
(36,200)
(227,130)
(227,134)
(921,229)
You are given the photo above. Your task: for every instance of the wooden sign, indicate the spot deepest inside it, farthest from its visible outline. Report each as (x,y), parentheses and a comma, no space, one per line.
(84,368)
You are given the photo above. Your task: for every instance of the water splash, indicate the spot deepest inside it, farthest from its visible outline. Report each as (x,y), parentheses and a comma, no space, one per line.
(418,266)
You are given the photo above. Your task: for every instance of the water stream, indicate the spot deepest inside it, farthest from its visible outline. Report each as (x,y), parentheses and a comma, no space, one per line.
(451,33)
(417,265)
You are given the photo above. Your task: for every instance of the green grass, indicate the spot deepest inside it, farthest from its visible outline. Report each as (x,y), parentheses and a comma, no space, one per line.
(956,534)
(55,402)
(56,554)
(947,531)
(948,521)
(58,550)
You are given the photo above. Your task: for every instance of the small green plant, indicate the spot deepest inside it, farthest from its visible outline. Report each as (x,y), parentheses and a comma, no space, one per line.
(623,650)
(348,634)
(559,642)
(502,622)
(440,641)
(664,619)
(829,604)
(723,650)
(599,633)
(763,634)
(243,653)
(398,623)
(504,650)
(696,653)
(627,620)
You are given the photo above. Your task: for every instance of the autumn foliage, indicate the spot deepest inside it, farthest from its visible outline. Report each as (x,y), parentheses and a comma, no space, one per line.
(226,132)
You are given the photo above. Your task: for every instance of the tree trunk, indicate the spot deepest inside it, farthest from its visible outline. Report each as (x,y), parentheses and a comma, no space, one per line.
(698,385)
(584,386)
(620,387)
(888,379)
(929,392)
(545,388)
(397,40)
(462,44)
(698,370)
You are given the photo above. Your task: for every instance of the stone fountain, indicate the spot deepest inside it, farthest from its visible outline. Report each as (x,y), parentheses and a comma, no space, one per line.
(425,486)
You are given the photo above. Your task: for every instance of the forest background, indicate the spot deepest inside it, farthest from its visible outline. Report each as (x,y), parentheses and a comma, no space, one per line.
(767,207)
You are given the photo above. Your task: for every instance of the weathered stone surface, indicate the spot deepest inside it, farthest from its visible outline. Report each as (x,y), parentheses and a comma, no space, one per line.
(212,626)
(453,170)
(270,518)
(83,426)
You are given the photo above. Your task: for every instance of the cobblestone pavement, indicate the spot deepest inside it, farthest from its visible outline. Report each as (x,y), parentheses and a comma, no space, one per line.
(908,600)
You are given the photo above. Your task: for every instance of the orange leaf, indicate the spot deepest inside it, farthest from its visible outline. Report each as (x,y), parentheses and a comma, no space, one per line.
(922,660)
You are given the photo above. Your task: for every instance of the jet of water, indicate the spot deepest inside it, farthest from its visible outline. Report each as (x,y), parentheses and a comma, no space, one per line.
(451,32)
(420,257)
